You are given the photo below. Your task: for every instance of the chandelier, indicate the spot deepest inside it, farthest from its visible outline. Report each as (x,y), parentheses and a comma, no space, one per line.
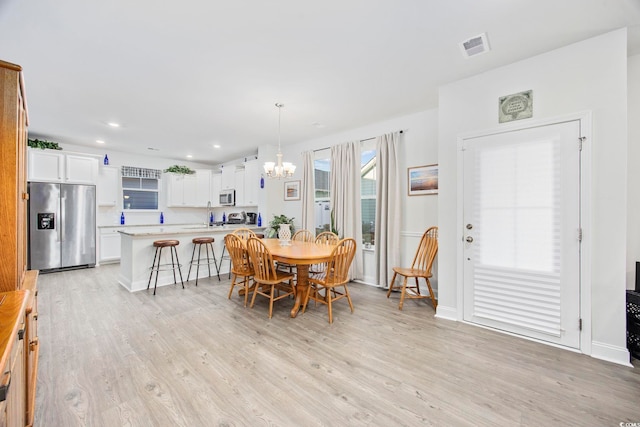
(279,169)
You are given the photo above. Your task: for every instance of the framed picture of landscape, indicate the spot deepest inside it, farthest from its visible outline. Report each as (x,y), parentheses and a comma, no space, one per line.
(423,180)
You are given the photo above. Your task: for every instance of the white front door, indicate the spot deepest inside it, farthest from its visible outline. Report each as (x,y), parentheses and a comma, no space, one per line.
(522,232)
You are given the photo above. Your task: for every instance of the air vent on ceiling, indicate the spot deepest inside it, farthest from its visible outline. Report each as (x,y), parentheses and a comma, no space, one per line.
(475,45)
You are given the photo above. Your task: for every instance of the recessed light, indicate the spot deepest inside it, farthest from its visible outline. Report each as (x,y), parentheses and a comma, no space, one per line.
(189,156)
(216,145)
(99,141)
(114,125)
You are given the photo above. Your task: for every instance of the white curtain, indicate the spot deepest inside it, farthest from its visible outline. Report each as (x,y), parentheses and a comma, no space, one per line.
(388,215)
(345,198)
(308,192)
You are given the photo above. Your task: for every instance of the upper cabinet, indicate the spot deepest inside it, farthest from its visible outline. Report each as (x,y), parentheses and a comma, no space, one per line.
(188,190)
(53,166)
(228,181)
(108,186)
(251,182)
(216,186)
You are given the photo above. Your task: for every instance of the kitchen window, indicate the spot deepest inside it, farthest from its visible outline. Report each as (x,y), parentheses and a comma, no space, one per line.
(368,197)
(140,188)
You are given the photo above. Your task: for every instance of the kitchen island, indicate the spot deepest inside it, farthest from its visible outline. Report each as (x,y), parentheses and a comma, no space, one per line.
(137,252)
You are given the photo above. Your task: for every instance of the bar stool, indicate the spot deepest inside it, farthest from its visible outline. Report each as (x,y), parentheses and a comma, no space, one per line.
(208,243)
(175,265)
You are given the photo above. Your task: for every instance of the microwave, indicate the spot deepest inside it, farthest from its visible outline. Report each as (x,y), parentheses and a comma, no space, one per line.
(228,198)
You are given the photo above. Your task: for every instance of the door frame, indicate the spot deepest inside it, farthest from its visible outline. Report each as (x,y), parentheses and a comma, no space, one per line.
(585,119)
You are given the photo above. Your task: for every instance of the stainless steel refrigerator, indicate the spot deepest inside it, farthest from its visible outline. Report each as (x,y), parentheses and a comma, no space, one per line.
(62,226)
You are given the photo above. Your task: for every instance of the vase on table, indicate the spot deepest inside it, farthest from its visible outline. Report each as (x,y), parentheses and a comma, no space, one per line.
(284,233)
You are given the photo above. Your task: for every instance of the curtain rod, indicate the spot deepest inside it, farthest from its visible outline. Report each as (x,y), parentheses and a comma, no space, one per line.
(362,140)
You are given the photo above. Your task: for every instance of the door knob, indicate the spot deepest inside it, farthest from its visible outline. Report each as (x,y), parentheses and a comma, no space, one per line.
(469,239)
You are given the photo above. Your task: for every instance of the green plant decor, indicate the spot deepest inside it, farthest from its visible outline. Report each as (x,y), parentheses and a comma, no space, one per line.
(275,224)
(184,170)
(333,227)
(37,143)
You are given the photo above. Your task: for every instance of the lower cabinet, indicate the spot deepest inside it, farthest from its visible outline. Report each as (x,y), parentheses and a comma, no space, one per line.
(13,374)
(109,245)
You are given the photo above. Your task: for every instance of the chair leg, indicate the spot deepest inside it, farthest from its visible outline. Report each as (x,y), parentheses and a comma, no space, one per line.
(346,292)
(273,290)
(417,286)
(329,300)
(255,292)
(233,283)
(433,297)
(191,262)
(157,271)
(246,290)
(404,291)
(215,261)
(391,286)
(198,265)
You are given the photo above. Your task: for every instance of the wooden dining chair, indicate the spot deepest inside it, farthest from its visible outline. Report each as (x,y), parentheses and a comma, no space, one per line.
(242,233)
(335,276)
(328,238)
(240,265)
(298,236)
(270,282)
(303,236)
(324,238)
(420,267)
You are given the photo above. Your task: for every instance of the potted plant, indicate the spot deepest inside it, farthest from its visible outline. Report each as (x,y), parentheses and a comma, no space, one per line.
(274,225)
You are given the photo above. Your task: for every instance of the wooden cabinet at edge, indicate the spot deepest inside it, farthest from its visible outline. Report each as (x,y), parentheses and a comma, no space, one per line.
(13,204)
(18,283)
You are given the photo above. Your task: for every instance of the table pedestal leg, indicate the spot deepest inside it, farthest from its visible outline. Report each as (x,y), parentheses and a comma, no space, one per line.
(301,288)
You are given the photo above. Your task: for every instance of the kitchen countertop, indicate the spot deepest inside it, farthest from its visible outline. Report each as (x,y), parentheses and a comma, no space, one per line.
(154,230)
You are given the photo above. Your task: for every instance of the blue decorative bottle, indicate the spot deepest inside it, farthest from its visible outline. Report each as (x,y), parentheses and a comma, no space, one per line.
(261,181)
(106,160)
(211,218)
(122,218)
(161,218)
(224,217)
(259,220)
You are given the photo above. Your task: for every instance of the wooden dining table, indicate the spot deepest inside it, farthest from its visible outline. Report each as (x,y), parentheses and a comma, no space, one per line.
(302,255)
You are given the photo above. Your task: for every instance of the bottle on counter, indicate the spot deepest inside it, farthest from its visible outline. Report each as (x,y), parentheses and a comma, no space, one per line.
(106,160)
(121,217)
(212,219)
(261,181)
(259,220)
(224,217)
(161,218)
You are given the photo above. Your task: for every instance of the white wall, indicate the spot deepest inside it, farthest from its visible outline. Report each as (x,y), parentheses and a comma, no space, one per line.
(418,146)
(633,225)
(586,76)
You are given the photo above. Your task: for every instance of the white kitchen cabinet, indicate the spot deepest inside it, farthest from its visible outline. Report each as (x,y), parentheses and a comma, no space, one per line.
(109,245)
(239,186)
(108,186)
(251,182)
(203,187)
(181,190)
(216,186)
(52,166)
(228,178)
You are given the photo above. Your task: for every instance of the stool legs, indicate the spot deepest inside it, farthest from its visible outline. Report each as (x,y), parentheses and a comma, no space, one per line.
(224,249)
(175,264)
(209,258)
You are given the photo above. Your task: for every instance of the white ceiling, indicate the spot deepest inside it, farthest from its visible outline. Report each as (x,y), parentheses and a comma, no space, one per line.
(182,76)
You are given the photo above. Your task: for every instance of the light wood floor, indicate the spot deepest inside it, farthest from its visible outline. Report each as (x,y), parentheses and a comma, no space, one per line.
(194,358)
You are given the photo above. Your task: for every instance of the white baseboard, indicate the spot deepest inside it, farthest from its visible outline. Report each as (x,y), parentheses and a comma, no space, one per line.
(610,353)
(448,313)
